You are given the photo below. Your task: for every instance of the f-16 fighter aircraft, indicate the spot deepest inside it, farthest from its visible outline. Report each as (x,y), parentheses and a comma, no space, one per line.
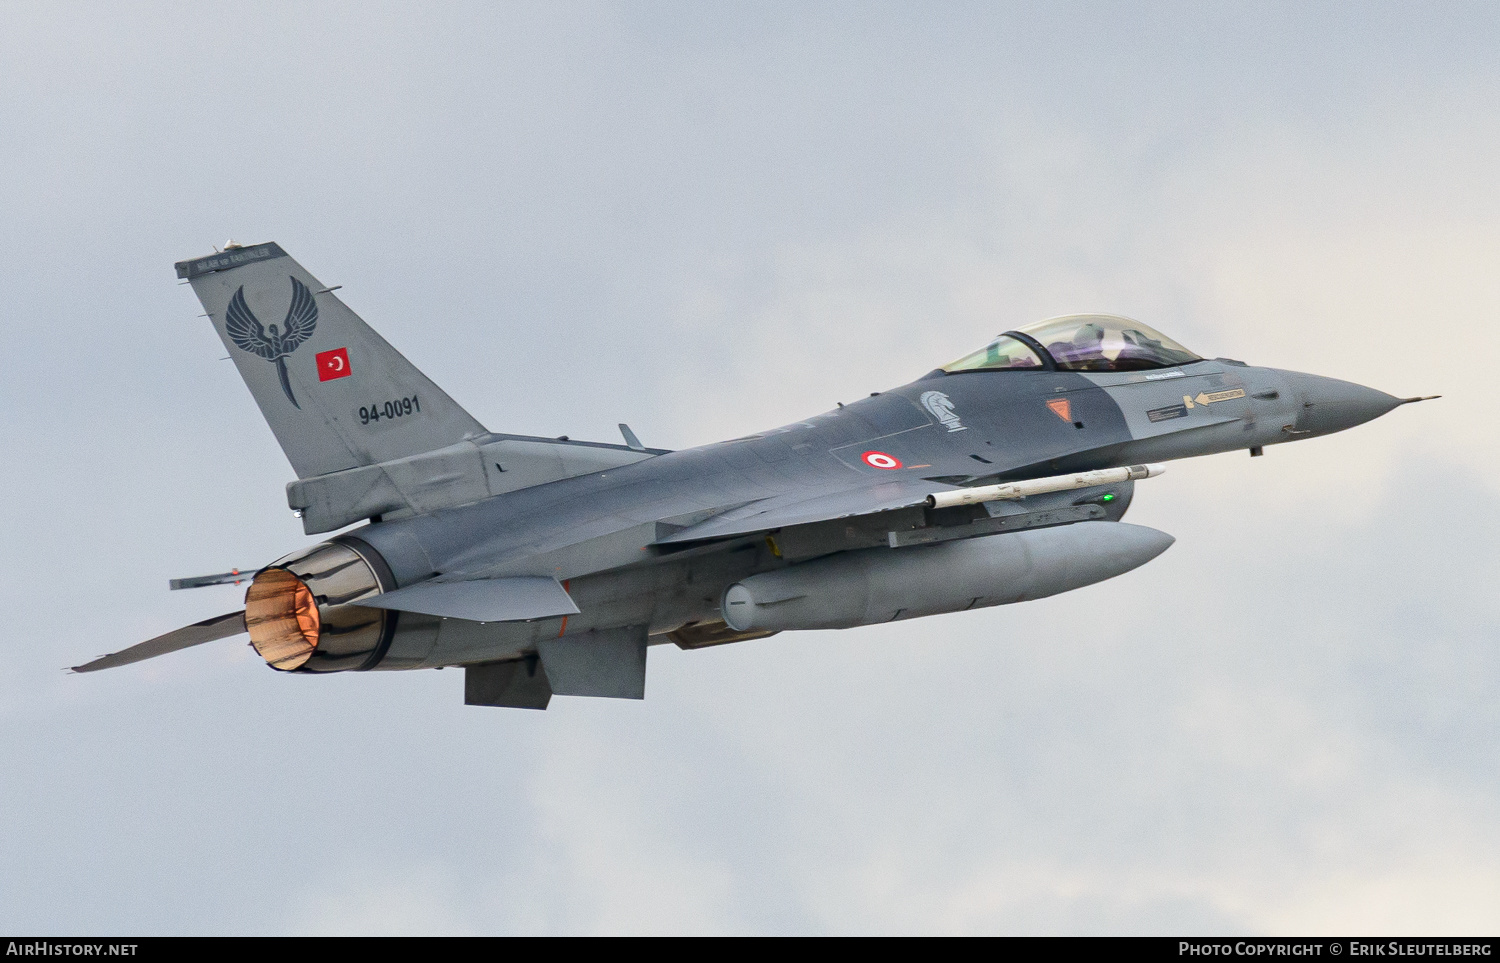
(549,567)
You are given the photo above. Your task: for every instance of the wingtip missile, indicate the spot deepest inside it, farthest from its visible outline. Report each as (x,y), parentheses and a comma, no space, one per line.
(1040,486)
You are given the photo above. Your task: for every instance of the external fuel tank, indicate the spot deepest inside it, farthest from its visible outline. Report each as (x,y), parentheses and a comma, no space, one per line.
(887,584)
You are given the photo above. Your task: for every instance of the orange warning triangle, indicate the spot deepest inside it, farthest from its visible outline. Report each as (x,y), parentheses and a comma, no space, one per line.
(1062,408)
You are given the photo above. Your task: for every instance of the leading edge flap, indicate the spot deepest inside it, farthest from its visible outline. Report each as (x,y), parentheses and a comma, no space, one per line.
(800,508)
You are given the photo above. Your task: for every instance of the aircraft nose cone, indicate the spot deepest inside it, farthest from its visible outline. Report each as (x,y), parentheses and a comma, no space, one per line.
(1330,405)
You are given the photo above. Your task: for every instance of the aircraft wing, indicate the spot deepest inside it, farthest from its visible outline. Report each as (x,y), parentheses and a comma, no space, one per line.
(799,508)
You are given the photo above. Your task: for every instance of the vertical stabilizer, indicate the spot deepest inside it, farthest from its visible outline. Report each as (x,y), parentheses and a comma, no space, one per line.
(335,394)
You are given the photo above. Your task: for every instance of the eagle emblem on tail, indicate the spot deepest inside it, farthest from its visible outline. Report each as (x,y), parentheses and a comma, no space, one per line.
(246,331)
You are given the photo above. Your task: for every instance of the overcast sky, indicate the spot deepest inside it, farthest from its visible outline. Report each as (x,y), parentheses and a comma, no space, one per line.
(704,220)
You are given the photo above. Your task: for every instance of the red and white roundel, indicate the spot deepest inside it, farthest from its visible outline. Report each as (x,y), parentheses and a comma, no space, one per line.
(879,459)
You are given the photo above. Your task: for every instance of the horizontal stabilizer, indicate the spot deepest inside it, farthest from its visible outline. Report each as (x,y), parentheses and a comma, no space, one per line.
(514,599)
(209,630)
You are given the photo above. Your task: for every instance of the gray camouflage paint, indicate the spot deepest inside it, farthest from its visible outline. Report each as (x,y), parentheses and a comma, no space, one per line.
(650,541)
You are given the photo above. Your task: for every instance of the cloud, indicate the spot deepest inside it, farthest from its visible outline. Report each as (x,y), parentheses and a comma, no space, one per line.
(709,223)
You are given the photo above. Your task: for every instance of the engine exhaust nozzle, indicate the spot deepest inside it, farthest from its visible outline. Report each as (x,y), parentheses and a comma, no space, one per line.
(299,614)
(282,618)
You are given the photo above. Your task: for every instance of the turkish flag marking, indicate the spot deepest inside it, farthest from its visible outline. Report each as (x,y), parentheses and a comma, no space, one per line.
(1061,407)
(333,364)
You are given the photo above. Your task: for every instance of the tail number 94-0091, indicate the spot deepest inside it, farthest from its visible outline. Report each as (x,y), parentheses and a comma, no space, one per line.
(395,408)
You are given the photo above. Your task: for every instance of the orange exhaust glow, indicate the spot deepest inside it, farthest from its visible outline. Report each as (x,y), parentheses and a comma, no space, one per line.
(283,619)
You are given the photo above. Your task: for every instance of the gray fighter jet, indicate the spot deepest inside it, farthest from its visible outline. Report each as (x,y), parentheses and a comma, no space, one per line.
(548,566)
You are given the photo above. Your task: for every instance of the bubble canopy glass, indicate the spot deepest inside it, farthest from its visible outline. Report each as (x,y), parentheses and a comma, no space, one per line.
(1078,342)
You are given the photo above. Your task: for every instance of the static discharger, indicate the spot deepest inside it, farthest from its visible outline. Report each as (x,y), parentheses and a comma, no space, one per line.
(1040,486)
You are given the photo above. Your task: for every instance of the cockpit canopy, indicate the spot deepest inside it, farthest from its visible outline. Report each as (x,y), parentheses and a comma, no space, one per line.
(1078,342)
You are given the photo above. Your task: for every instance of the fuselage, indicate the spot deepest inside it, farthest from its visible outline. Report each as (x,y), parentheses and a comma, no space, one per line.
(599,533)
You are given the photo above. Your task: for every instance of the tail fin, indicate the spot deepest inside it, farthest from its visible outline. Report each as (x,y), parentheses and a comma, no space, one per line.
(335,394)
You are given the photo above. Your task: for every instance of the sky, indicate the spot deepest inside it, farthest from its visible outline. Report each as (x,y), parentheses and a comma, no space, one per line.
(710,219)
